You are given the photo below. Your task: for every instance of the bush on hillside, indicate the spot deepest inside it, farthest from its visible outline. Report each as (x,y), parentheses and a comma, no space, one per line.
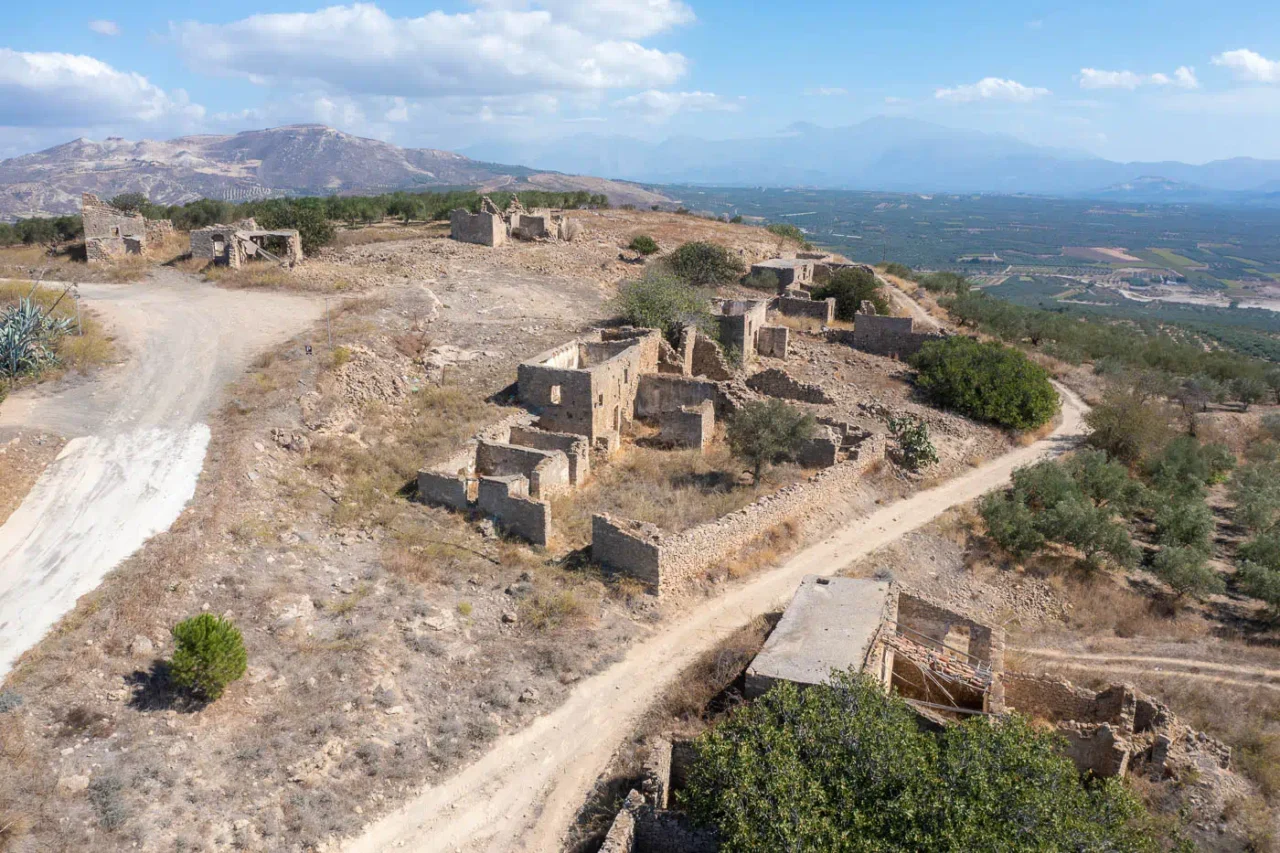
(986,381)
(767,431)
(944,282)
(1187,571)
(1255,491)
(845,767)
(900,270)
(1129,425)
(1184,521)
(914,448)
(1185,466)
(852,286)
(662,301)
(705,264)
(208,655)
(643,244)
(789,232)
(1261,583)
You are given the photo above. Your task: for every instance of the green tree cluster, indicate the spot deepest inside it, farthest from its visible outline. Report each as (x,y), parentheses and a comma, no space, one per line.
(844,767)
(987,381)
(662,301)
(208,655)
(851,287)
(789,232)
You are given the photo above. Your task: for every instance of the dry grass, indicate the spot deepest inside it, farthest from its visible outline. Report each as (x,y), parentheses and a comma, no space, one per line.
(387,232)
(811,325)
(674,489)
(548,611)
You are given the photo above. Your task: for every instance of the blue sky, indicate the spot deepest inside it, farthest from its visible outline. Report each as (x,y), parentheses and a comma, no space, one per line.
(1150,81)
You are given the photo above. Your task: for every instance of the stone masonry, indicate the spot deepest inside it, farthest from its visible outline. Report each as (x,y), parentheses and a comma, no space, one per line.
(889,336)
(111,233)
(233,245)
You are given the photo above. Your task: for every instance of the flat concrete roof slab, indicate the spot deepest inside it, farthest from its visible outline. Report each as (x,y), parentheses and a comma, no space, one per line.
(783,263)
(829,624)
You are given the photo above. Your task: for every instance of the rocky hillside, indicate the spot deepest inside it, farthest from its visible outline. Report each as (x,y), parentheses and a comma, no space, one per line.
(292,160)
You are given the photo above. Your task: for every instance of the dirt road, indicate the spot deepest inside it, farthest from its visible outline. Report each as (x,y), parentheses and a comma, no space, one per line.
(1190,668)
(524,792)
(137,434)
(924,320)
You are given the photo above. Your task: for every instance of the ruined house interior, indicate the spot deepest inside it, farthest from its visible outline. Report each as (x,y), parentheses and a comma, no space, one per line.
(110,233)
(236,244)
(494,227)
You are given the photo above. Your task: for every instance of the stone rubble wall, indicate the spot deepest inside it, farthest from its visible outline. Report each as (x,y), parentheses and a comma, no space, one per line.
(656,784)
(776,382)
(507,500)
(486,229)
(546,470)
(709,361)
(688,426)
(673,562)
(1056,700)
(660,393)
(774,342)
(575,447)
(880,335)
(817,309)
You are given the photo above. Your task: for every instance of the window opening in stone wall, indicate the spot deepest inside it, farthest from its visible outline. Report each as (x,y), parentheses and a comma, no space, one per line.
(554,395)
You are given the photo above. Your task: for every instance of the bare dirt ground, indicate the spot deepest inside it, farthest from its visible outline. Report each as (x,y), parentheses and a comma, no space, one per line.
(389,643)
(137,441)
(524,792)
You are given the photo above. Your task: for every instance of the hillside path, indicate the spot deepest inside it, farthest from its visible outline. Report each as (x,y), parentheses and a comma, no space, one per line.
(524,793)
(138,438)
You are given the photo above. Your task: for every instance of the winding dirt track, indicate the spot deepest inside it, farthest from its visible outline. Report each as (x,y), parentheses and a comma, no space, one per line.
(524,792)
(138,439)
(1192,668)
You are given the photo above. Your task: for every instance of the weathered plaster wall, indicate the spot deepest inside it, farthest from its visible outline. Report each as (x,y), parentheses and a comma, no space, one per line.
(507,500)
(486,229)
(817,309)
(774,341)
(689,426)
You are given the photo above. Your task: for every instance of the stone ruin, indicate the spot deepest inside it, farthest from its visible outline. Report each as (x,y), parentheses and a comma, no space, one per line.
(234,245)
(492,227)
(111,233)
(580,397)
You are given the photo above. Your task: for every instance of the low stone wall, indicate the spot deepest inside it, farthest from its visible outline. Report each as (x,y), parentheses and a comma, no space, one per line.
(1101,750)
(1055,700)
(657,773)
(575,447)
(708,360)
(435,487)
(506,500)
(821,451)
(776,382)
(774,342)
(622,834)
(486,229)
(657,393)
(546,471)
(817,309)
(672,562)
(689,426)
(888,336)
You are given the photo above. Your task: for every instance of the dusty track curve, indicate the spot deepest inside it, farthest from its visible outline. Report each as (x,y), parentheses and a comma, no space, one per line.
(138,439)
(523,793)
(1192,668)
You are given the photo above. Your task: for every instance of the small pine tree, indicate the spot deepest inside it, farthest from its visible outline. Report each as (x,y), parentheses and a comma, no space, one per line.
(208,655)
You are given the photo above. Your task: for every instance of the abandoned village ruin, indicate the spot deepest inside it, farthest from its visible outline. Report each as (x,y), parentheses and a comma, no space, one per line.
(492,227)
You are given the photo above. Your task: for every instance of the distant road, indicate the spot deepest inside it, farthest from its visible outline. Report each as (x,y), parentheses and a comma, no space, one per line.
(138,439)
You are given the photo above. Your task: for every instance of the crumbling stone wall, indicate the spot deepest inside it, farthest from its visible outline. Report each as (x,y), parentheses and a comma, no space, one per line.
(820,451)
(657,773)
(740,323)
(787,272)
(438,487)
(672,562)
(576,448)
(507,500)
(486,229)
(547,472)
(776,382)
(823,310)
(1055,699)
(110,233)
(658,393)
(889,336)
(774,342)
(708,360)
(688,426)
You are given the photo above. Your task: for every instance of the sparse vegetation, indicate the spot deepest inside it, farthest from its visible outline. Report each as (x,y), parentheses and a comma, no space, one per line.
(767,431)
(788,231)
(914,448)
(844,767)
(987,381)
(208,655)
(851,287)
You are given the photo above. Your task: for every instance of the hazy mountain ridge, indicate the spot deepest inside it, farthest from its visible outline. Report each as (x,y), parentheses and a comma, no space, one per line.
(894,154)
(290,160)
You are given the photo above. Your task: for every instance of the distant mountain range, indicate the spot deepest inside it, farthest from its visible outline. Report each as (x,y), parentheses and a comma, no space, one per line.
(292,160)
(897,154)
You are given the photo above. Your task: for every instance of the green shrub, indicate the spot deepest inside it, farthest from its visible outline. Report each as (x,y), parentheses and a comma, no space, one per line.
(1186,570)
(643,244)
(1089,529)
(789,232)
(915,450)
(1184,522)
(1255,491)
(844,767)
(736,220)
(1129,425)
(705,264)
(986,381)
(1011,523)
(767,431)
(900,270)
(208,655)
(1103,481)
(852,286)
(1263,549)
(944,282)
(1260,582)
(763,280)
(662,301)
(1186,466)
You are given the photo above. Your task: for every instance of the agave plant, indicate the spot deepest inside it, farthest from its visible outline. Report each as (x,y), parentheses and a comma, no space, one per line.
(28,336)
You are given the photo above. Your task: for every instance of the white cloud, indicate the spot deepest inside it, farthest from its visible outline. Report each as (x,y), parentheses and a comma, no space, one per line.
(620,18)
(659,106)
(68,90)
(1250,66)
(1092,78)
(105,28)
(826,91)
(991,89)
(360,49)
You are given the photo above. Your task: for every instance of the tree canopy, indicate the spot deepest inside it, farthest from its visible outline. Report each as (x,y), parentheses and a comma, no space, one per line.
(987,381)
